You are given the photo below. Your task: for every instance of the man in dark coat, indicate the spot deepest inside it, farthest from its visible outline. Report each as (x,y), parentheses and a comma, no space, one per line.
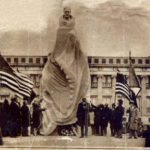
(113,120)
(119,115)
(15,117)
(147,136)
(6,118)
(96,118)
(83,117)
(106,118)
(36,116)
(1,139)
(102,120)
(25,118)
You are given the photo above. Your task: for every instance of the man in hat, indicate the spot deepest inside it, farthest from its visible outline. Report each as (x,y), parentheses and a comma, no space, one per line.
(106,118)
(133,120)
(37,115)
(83,117)
(113,120)
(15,117)
(119,112)
(25,118)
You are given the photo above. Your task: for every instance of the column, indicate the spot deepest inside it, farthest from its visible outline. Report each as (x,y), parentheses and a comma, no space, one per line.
(143,97)
(40,89)
(100,90)
(113,77)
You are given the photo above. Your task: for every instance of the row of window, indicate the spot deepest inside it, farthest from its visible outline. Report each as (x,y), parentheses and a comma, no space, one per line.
(96,60)
(107,81)
(118,61)
(25,60)
(104,85)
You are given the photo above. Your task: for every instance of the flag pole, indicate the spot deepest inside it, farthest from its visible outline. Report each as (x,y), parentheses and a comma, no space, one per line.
(115,98)
(115,91)
(129,65)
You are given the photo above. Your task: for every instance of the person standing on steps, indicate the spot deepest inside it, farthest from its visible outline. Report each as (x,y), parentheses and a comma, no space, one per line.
(119,115)
(83,117)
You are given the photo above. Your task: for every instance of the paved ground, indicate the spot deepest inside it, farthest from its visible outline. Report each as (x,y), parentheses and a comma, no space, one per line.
(62,142)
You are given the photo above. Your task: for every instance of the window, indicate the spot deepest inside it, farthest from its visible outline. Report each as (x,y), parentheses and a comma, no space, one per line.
(125,61)
(139,61)
(37,80)
(118,61)
(33,78)
(89,60)
(147,61)
(30,60)
(96,61)
(45,60)
(148,104)
(107,82)
(94,81)
(133,61)
(111,61)
(8,60)
(148,110)
(38,60)
(148,82)
(16,60)
(103,61)
(23,60)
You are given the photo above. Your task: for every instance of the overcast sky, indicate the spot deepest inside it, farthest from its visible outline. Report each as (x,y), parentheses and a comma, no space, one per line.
(104,27)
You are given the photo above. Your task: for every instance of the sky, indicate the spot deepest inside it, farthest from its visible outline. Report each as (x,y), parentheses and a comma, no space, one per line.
(104,27)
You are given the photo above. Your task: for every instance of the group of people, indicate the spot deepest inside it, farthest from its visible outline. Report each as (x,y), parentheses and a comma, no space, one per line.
(16,118)
(104,115)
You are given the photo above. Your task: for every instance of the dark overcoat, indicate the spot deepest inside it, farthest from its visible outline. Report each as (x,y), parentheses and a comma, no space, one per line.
(119,112)
(83,113)
(25,116)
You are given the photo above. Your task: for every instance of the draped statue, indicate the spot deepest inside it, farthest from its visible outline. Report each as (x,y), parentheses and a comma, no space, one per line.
(65,77)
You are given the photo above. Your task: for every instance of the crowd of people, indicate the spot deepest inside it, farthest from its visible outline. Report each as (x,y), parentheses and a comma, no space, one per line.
(103,115)
(16,118)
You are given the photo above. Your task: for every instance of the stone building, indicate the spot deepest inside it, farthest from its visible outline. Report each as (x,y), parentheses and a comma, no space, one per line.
(103,72)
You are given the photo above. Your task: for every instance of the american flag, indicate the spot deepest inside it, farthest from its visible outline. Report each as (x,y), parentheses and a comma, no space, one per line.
(15,81)
(122,86)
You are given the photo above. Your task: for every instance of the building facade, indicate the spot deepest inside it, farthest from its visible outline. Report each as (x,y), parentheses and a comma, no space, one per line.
(103,72)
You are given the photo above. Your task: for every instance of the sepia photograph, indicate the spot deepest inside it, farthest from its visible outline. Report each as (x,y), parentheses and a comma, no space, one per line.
(75,74)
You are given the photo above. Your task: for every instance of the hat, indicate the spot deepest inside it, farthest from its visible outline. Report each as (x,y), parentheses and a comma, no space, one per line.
(67,9)
(13,99)
(120,101)
(113,104)
(84,99)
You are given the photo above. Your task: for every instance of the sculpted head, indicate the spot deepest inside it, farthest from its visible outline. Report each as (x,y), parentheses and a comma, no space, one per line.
(67,12)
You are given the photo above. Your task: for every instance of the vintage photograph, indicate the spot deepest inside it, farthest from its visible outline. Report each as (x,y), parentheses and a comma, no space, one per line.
(75,74)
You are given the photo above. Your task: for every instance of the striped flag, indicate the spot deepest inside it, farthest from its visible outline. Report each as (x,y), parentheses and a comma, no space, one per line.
(15,81)
(122,86)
